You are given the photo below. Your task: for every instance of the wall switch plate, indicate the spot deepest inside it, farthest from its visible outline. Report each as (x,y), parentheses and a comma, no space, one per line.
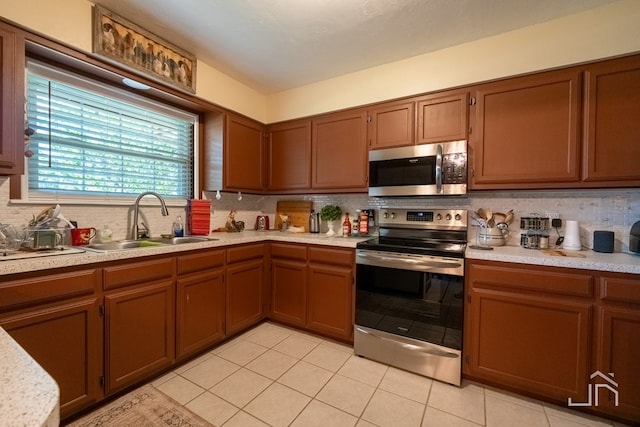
(556,222)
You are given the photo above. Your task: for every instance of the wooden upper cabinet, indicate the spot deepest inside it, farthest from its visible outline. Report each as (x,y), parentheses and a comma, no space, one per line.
(12,106)
(526,132)
(612,134)
(391,124)
(244,160)
(442,117)
(290,155)
(339,147)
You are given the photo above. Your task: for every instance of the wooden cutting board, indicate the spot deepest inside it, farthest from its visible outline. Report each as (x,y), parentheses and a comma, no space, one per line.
(558,252)
(298,212)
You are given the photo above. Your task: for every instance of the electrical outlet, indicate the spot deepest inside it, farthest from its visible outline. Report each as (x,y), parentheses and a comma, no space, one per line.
(552,215)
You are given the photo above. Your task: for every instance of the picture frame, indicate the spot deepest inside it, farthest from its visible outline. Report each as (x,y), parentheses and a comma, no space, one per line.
(119,40)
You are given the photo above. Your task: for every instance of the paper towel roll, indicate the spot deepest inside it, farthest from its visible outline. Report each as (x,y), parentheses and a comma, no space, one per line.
(572,237)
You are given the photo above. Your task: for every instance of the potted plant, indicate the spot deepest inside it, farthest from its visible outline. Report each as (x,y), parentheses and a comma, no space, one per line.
(330,213)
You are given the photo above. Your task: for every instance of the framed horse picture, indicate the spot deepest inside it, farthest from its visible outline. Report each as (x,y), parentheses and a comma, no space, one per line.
(117,39)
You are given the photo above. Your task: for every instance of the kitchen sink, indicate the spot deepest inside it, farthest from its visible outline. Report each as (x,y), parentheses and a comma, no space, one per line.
(120,245)
(179,240)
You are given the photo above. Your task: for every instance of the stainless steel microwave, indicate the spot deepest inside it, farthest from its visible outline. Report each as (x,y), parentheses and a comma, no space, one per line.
(419,170)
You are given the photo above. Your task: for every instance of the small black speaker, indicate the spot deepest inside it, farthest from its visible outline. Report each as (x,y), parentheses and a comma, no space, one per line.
(603,241)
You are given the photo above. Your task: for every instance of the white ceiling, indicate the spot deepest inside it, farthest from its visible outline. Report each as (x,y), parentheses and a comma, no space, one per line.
(274,45)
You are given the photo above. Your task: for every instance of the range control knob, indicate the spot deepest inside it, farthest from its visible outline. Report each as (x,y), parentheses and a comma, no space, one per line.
(386,215)
(393,215)
(458,217)
(448,217)
(438,217)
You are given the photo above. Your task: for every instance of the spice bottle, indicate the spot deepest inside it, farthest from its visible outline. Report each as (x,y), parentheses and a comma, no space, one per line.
(364,223)
(346,226)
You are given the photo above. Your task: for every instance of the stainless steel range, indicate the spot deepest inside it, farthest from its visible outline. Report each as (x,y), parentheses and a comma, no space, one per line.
(410,292)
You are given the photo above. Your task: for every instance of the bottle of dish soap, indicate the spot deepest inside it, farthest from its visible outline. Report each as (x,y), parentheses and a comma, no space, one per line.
(178,227)
(106,234)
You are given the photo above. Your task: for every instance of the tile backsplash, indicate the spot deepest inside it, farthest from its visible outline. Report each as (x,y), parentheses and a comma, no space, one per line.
(612,210)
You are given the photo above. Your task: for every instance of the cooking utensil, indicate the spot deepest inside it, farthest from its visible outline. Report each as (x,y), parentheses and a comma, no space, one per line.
(509,217)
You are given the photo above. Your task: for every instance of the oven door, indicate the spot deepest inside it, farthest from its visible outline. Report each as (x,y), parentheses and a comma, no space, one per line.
(409,312)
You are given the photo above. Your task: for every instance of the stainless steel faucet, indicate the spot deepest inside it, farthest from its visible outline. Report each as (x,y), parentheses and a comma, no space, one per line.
(136,233)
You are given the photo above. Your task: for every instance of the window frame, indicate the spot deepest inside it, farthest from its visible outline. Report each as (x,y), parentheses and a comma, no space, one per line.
(20,193)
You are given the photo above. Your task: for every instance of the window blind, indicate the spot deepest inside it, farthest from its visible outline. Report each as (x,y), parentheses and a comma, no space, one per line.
(88,142)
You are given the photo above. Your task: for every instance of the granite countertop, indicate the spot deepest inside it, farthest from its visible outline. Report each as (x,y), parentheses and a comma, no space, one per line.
(28,395)
(73,258)
(586,259)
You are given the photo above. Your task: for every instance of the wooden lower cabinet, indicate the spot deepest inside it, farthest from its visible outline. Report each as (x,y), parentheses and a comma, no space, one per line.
(288,284)
(56,318)
(330,292)
(244,287)
(66,340)
(617,338)
(139,321)
(522,333)
(200,311)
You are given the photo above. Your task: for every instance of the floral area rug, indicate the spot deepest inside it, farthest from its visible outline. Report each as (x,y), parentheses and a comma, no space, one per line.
(144,407)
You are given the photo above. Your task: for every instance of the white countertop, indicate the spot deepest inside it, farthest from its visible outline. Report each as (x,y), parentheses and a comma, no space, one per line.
(28,394)
(615,262)
(9,267)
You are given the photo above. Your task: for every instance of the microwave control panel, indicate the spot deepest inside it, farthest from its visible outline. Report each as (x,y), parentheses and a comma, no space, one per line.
(454,168)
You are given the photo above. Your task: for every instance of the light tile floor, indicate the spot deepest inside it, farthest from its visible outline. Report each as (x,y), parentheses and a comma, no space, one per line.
(276,376)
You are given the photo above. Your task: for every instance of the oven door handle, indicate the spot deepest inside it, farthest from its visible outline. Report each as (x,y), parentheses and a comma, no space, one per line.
(431,351)
(439,169)
(412,262)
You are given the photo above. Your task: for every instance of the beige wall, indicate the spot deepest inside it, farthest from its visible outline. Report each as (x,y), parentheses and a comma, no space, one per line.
(598,33)
(69,21)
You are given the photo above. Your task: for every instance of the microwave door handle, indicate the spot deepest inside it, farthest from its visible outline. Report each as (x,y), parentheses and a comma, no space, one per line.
(439,169)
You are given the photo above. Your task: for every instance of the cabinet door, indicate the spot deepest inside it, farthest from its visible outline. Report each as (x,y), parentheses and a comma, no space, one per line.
(244,294)
(443,117)
(288,291)
(526,132)
(244,162)
(12,107)
(140,333)
(618,338)
(199,311)
(612,110)
(339,145)
(518,337)
(330,292)
(66,340)
(290,156)
(391,124)
(618,342)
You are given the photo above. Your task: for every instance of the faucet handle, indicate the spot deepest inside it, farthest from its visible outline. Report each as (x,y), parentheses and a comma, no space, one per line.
(143,231)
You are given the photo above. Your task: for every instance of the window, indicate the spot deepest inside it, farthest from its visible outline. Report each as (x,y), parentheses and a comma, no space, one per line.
(94,141)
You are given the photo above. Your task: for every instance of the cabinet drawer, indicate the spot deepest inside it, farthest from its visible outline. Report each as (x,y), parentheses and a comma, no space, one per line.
(200,261)
(531,278)
(332,256)
(48,288)
(281,250)
(242,253)
(139,272)
(620,289)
